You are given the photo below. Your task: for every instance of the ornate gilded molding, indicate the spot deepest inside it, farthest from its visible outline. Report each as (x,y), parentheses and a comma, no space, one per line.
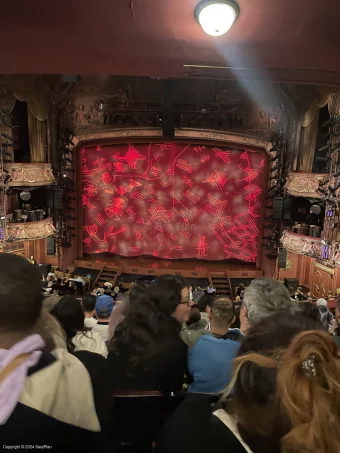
(30,231)
(30,175)
(304,184)
(302,245)
(149,133)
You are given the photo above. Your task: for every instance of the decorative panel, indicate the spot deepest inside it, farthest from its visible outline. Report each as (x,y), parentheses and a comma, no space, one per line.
(303,245)
(323,281)
(30,175)
(30,230)
(304,184)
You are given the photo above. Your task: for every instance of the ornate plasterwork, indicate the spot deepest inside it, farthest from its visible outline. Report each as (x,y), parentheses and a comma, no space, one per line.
(30,175)
(303,245)
(304,184)
(30,231)
(200,134)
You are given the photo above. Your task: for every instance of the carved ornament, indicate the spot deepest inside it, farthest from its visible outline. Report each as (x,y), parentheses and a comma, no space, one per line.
(188,134)
(304,184)
(30,175)
(302,245)
(30,231)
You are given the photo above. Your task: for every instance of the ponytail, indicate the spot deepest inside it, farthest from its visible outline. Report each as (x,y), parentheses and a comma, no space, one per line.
(308,386)
(300,410)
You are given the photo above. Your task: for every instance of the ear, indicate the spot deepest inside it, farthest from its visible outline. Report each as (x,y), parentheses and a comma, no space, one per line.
(244,311)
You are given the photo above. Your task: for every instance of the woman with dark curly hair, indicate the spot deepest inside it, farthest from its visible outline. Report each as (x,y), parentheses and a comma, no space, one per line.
(146,352)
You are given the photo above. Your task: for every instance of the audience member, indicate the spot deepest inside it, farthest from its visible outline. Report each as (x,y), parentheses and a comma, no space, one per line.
(210,359)
(310,310)
(283,397)
(146,352)
(262,298)
(104,307)
(122,304)
(45,398)
(204,304)
(88,303)
(195,322)
(69,313)
(240,291)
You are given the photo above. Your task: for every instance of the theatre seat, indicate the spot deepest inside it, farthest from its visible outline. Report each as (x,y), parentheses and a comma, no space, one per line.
(136,418)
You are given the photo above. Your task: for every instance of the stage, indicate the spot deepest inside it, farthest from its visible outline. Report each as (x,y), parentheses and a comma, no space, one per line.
(185,267)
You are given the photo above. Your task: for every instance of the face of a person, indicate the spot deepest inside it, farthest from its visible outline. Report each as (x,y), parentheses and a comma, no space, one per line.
(183,308)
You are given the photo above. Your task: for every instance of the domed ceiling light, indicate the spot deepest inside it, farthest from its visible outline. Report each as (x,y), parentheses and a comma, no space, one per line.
(216,16)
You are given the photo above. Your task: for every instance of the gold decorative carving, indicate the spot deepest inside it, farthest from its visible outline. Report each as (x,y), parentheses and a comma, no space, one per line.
(303,245)
(30,175)
(150,133)
(304,184)
(31,230)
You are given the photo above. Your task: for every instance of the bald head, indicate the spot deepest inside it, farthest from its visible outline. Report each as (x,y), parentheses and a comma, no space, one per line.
(20,293)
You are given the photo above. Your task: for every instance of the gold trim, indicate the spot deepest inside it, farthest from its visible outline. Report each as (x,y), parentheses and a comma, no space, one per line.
(30,175)
(201,134)
(324,268)
(304,184)
(30,231)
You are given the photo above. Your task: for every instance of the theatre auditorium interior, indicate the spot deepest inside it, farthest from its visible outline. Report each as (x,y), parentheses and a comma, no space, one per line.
(170,226)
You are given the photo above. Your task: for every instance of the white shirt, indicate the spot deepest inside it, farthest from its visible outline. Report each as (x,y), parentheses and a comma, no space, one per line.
(90,322)
(102,329)
(90,341)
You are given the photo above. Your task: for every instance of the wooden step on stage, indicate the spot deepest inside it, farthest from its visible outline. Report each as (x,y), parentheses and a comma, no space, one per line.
(186,268)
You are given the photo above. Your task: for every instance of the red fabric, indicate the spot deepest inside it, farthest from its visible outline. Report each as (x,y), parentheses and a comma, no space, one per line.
(172,201)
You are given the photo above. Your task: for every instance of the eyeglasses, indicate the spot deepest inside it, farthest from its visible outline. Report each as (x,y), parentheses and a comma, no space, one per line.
(185,301)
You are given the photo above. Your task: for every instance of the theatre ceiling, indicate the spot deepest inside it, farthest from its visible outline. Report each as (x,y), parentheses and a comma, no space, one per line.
(279,40)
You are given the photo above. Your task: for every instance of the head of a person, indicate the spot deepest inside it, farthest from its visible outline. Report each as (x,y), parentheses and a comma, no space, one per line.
(241,286)
(104,307)
(221,314)
(68,311)
(88,303)
(171,294)
(205,303)
(145,335)
(264,297)
(321,302)
(286,390)
(310,310)
(20,295)
(194,316)
(325,316)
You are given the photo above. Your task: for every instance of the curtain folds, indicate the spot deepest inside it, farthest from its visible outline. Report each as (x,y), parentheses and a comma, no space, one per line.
(38,137)
(307,144)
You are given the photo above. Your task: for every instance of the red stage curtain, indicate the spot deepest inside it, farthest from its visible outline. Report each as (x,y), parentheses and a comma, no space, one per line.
(172,200)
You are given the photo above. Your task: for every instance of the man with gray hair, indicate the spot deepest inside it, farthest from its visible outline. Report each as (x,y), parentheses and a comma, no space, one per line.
(262,298)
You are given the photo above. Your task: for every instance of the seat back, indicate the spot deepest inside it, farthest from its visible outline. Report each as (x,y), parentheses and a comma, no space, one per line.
(137,418)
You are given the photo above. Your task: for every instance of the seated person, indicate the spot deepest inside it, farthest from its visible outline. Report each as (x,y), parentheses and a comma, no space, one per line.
(286,372)
(46,397)
(146,351)
(210,359)
(104,307)
(204,304)
(88,303)
(69,313)
(195,322)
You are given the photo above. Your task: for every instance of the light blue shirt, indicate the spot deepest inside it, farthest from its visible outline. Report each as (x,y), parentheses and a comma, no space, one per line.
(210,364)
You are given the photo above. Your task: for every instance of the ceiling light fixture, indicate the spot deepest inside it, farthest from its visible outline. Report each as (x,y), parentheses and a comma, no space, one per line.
(216,16)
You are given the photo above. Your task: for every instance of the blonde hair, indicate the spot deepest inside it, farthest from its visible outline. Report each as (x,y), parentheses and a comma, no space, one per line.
(306,406)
